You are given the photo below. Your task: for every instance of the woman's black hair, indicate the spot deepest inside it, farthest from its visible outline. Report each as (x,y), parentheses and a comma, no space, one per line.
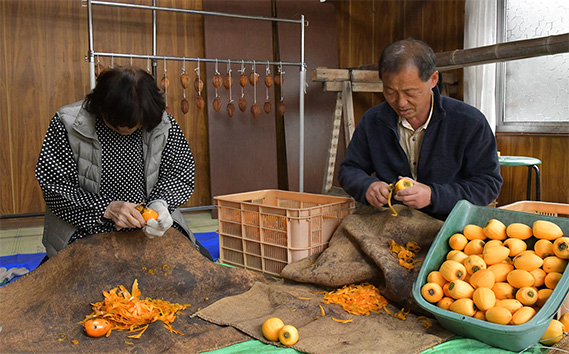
(126,97)
(402,53)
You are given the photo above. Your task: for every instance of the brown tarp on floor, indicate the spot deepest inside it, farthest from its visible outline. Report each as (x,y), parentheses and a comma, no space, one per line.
(298,305)
(47,303)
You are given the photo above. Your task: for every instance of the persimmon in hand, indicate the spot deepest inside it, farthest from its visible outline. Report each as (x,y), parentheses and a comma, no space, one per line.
(148,214)
(403,183)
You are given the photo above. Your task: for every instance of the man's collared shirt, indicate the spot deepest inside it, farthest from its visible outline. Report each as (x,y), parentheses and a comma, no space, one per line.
(410,139)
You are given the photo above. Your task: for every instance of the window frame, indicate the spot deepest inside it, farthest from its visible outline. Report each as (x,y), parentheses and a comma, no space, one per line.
(508,127)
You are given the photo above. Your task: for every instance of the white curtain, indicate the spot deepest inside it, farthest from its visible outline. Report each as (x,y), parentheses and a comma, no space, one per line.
(480,80)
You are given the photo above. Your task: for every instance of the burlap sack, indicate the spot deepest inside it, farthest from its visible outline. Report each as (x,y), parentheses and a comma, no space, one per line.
(298,304)
(359,251)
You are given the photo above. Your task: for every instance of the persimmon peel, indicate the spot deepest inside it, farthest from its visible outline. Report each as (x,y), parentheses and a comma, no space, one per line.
(126,311)
(357,299)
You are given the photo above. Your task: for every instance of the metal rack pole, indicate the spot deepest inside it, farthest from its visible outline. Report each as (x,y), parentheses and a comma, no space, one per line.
(196,12)
(154,41)
(301,110)
(202,60)
(154,56)
(91,57)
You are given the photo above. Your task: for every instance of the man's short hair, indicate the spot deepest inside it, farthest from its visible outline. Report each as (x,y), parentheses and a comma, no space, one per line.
(400,54)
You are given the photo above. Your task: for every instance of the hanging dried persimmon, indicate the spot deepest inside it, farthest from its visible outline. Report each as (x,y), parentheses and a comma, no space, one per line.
(216,104)
(185,106)
(228,81)
(200,102)
(185,80)
(269,81)
(253,78)
(164,83)
(242,104)
(198,85)
(255,110)
(217,80)
(230,109)
(243,80)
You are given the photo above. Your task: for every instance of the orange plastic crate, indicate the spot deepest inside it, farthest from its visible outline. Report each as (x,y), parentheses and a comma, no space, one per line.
(542,208)
(266,230)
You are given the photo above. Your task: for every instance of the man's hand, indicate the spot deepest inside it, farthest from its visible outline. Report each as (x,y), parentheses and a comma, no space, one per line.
(124,215)
(159,226)
(418,196)
(377,194)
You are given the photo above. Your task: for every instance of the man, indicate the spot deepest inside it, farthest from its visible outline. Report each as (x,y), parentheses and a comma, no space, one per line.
(445,146)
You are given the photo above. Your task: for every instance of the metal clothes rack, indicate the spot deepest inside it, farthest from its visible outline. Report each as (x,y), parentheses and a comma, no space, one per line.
(154,57)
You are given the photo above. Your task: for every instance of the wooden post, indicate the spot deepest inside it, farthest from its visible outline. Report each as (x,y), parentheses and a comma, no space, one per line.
(333,150)
(349,124)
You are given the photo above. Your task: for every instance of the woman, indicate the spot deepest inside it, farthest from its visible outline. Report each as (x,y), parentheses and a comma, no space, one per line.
(104,155)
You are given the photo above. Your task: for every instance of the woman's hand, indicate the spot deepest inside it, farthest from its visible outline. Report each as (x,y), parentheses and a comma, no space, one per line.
(159,226)
(124,215)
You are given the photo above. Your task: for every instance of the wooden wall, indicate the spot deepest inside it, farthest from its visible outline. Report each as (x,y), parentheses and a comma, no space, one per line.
(243,150)
(552,150)
(42,68)
(366,27)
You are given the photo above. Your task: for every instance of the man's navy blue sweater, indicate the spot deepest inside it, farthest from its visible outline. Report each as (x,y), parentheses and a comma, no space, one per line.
(457,158)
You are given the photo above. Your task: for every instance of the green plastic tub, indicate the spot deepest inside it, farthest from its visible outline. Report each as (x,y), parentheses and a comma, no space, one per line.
(509,337)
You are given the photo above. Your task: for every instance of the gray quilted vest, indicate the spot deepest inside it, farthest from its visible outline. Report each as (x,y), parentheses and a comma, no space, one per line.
(86,148)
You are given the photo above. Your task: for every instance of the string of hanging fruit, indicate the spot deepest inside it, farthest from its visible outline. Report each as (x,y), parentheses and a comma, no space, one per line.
(253,78)
(268,85)
(185,82)
(227,83)
(217,81)
(164,84)
(198,86)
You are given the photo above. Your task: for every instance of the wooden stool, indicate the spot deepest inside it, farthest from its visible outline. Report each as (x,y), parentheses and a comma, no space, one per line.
(531,163)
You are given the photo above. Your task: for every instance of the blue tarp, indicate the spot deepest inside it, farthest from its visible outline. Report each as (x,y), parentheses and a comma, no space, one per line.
(210,240)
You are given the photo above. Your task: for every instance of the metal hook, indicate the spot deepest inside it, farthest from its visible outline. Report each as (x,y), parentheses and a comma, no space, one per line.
(197,69)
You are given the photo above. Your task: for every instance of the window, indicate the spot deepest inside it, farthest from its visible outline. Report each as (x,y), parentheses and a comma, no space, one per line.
(533,94)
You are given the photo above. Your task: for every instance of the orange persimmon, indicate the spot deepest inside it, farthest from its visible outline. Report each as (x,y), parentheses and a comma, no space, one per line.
(271,328)
(97,327)
(148,214)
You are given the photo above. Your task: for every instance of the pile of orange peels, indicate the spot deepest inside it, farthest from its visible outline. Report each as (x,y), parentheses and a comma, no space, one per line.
(126,311)
(357,299)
